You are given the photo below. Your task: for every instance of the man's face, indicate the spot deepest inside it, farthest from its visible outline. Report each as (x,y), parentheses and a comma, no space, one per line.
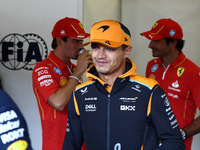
(72,47)
(159,48)
(108,60)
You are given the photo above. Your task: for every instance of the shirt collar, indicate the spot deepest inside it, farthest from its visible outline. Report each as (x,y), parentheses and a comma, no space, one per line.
(59,63)
(181,58)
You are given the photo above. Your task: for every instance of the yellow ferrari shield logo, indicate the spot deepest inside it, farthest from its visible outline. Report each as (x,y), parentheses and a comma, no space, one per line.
(155,24)
(81,25)
(180,71)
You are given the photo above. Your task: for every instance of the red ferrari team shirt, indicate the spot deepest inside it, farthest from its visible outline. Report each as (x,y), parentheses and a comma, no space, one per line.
(181,83)
(47,77)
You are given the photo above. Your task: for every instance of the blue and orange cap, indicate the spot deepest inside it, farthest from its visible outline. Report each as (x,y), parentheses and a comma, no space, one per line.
(110,33)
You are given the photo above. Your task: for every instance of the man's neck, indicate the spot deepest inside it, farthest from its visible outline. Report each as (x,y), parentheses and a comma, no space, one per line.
(62,57)
(170,58)
(110,79)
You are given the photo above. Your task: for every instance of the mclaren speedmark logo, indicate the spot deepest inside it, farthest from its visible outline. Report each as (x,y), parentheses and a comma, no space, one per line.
(104,28)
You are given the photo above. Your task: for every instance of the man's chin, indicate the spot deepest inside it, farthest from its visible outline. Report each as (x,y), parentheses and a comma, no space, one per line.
(75,58)
(102,71)
(154,55)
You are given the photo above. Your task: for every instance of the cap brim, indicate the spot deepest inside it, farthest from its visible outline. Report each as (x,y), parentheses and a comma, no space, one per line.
(105,42)
(151,36)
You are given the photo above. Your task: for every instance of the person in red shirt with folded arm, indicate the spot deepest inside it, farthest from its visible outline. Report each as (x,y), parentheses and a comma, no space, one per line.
(56,77)
(176,74)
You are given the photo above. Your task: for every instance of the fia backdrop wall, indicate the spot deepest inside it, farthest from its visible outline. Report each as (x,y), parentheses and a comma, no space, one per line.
(25,38)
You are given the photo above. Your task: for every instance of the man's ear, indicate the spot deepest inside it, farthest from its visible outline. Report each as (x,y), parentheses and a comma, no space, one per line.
(174,43)
(59,41)
(128,51)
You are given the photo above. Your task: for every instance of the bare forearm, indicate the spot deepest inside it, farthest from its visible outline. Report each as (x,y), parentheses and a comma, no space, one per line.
(61,97)
(193,128)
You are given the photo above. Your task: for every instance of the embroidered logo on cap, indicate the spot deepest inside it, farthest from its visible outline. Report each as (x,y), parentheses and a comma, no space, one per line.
(155,24)
(107,42)
(80,36)
(62,32)
(104,28)
(172,32)
(81,25)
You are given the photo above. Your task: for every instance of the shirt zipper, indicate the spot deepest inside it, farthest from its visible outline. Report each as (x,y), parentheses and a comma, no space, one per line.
(70,70)
(163,76)
(108,122)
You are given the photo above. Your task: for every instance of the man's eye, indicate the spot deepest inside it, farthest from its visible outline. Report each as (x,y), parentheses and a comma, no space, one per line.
(110,49)
(77,41)
(94,47)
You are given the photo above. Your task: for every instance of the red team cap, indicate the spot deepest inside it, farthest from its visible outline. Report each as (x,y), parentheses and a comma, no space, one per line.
(164,28)
(110,33)
(69,27)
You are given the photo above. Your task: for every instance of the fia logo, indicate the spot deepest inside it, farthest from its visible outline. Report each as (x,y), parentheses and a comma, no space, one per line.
(22,51)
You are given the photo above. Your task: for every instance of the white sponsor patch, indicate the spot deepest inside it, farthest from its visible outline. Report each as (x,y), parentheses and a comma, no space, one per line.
(41,68)
(46,82)
(9,127)
(44,77)
(91,99)
(90,107)
(173,95)
(171,88)
(175,84)
(127,108)
(42,72)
